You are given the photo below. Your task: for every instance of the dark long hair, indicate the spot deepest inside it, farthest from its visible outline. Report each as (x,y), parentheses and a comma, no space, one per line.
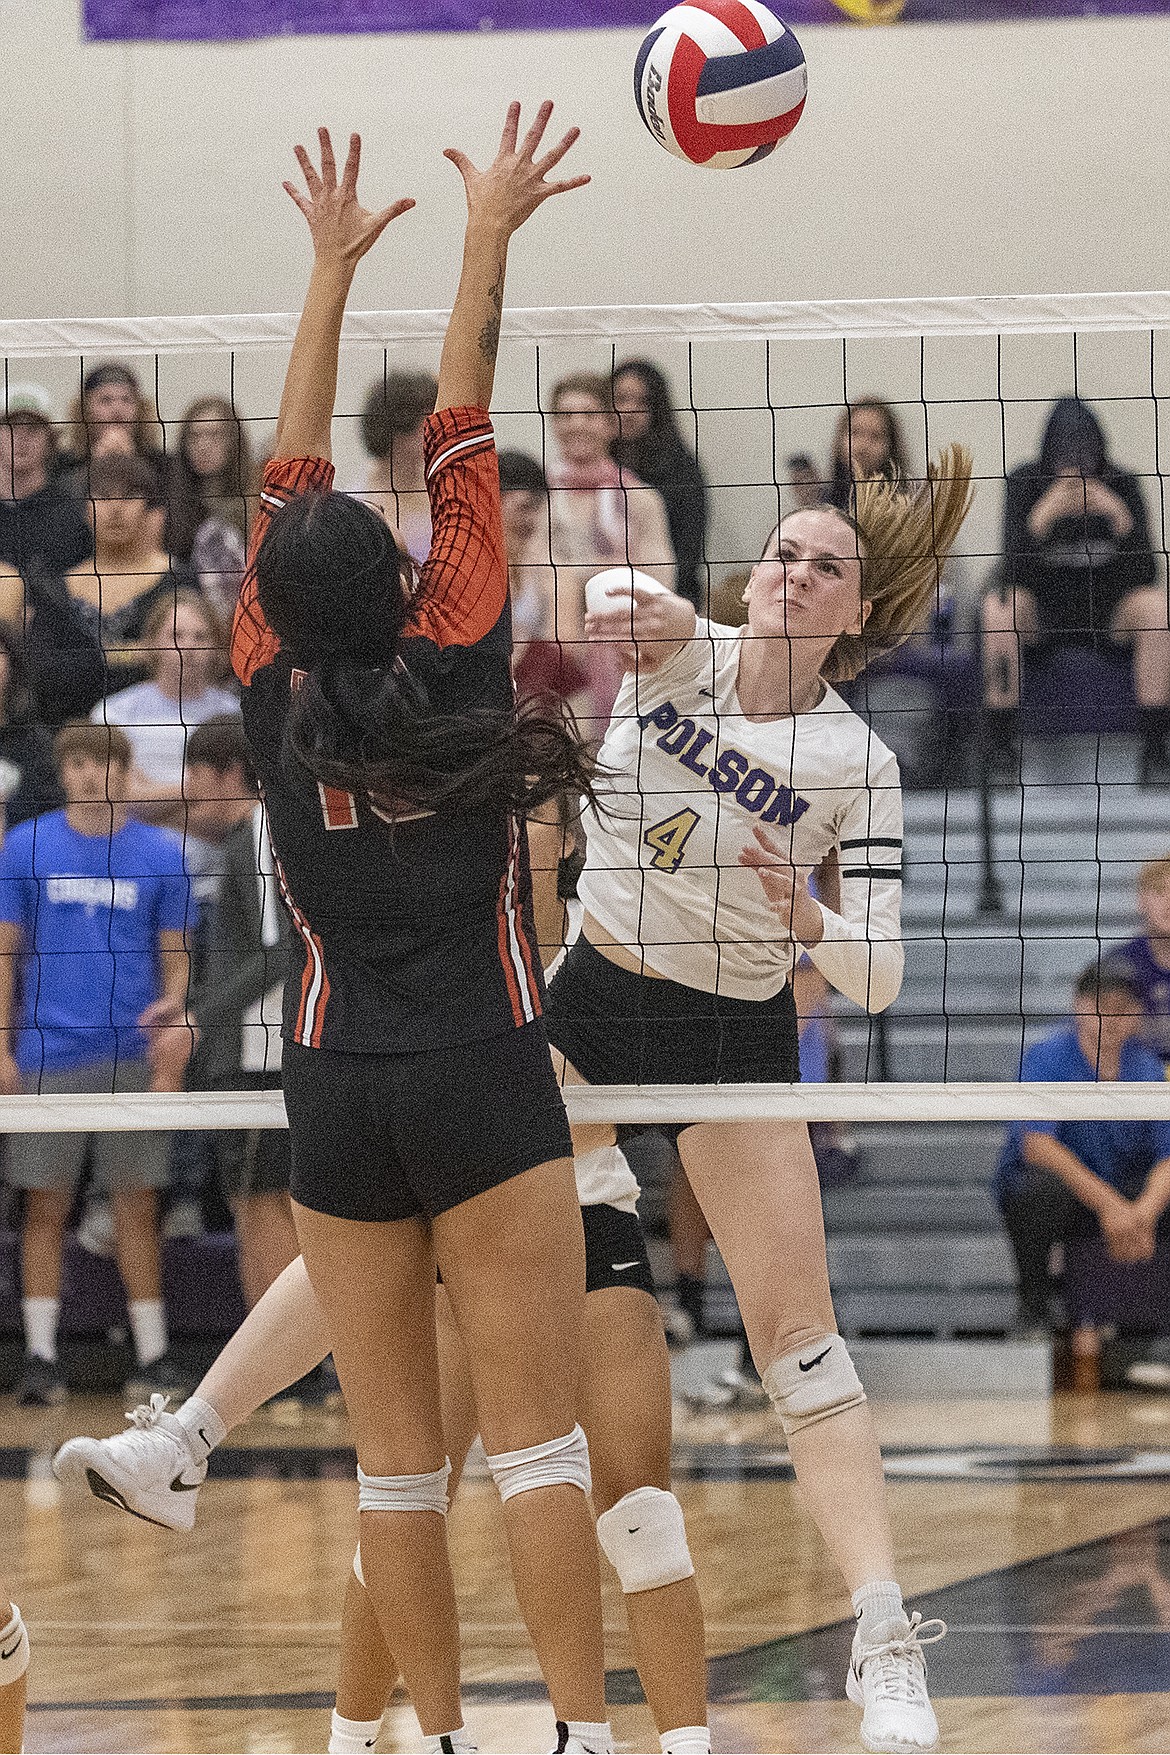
(335,589)
(661,454)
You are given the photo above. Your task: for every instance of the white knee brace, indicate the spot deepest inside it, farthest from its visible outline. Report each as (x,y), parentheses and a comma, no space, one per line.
(562,1462)
(404,1492)
(812,1383)
(13,1650)
(644,1539)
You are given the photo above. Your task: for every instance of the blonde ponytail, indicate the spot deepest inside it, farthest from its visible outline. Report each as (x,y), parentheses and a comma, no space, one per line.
(907,531)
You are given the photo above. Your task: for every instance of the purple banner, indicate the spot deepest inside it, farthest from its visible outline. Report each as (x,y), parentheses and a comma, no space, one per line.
(219,20)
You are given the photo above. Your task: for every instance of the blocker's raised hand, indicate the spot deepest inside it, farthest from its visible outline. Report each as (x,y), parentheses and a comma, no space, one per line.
(341,227)
(515,184)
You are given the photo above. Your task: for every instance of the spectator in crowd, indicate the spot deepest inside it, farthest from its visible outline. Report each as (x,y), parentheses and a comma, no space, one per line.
(42,526)
(93,918)
(1061,1180)
(650,446)
(392,431)
(214,476)
(112,418)
(1145,960)
(544,669)
(805,486)
(85,633)
(1078,570)
(185,646)
(28,773)
(238,993)
(869,443)
(601,516)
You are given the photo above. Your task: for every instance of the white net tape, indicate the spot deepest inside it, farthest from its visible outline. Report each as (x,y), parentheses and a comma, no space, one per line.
(638,1105)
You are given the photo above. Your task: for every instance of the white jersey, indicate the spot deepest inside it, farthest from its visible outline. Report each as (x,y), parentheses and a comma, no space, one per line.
(691,777)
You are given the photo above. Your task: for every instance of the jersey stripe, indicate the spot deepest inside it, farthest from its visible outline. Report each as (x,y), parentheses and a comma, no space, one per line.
(517,971)
(459,448)
(870,841)
(314,979)
(873,871)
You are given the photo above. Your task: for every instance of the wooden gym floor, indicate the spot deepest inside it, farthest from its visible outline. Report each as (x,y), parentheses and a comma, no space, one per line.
(1039,1530)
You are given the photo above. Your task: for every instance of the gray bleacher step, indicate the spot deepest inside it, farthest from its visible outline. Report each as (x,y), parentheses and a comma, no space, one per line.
(973,1049)
(958,1261)
(924,1310)
(945,1153)
(905,1370)
(862,1208)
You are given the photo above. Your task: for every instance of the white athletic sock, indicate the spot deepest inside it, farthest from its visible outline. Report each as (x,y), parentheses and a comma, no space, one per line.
(687,1740)
(353,1736)
(148,1325)
(41,1316)
(874,1604)
(593,1736)
(13,1650)
(203,1427)
(450,1743)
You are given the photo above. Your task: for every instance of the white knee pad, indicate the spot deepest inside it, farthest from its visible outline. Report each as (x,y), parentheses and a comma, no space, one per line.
(404,1492)
(644,1539)
(562,1462)
(357,1566)
(813,1382)
(13,1649)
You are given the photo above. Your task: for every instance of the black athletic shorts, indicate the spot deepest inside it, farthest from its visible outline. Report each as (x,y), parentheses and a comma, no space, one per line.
(615,1250)
(389,1136)
(256,1160)
(618,1028)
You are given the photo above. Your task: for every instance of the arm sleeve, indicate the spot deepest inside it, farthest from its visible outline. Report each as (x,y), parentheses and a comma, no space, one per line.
(253,642)
(1135,564)
(463,587)
(14,880)
(861,952)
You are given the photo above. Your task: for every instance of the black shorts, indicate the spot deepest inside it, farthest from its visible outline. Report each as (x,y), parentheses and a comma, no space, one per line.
(618,1028)
(615,1250)
(255,1160)
(391,1136)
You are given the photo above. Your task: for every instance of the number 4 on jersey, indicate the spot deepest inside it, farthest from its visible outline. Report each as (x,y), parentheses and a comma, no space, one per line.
(669,839)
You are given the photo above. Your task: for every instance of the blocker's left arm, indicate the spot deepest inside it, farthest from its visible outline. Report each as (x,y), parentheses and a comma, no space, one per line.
(342,231)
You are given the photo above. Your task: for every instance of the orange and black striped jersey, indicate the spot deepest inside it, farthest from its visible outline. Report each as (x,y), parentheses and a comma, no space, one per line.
(418,936)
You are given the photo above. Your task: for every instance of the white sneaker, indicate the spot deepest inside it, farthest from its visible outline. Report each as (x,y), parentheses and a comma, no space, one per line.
(887,1679)
(147,1471)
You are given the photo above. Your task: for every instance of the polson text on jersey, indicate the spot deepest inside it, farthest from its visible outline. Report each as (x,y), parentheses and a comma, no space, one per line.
(731,772)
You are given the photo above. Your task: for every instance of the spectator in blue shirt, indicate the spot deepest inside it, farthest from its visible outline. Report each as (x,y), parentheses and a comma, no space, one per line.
(1059,1180)
(1146,959)
(93,961)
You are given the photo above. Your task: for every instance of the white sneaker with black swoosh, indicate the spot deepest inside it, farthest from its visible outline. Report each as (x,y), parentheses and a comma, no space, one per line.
(148,1471)
(887,1679)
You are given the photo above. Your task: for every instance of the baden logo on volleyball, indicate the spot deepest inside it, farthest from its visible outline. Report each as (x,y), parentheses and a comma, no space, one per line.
(720,82)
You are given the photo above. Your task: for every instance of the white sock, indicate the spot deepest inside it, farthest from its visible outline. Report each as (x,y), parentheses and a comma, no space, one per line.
(204,1430)
(598,1737)
(450,1743)
(874,1604)
(41,1316)
(148,1325)
(353,1736)
(687,1740)
(13,1650)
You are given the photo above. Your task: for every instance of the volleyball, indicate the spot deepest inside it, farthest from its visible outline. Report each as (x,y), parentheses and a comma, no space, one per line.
(720,82)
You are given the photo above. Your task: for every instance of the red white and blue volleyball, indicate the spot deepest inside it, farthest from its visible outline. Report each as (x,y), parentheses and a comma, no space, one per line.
(720,82)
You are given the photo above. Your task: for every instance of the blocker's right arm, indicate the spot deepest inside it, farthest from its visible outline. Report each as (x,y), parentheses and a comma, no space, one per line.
(499,200)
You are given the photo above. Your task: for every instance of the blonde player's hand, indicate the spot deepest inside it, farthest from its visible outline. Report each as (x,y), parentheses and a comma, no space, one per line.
(648,622)
(342,229)
(515,184)
(785,885)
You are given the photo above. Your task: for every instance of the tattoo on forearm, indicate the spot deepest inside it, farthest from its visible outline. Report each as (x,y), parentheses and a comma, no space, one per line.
(489,335)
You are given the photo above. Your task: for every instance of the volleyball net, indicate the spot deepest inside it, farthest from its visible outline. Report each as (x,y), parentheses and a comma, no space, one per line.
(1027,735)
